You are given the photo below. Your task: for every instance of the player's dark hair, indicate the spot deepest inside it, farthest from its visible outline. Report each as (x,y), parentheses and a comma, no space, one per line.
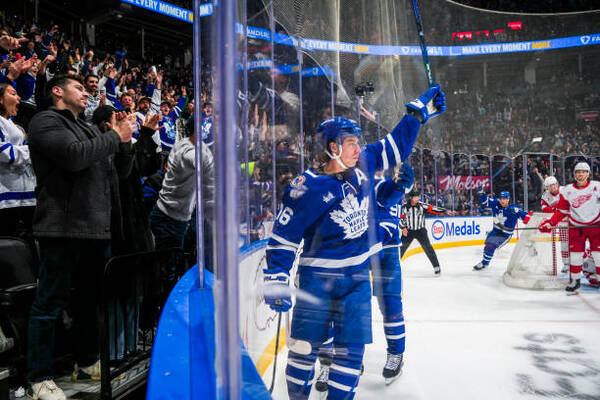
(414,193)
(322,158)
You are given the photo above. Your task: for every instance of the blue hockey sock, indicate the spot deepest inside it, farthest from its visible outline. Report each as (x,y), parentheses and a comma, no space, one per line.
(344,372)
(300,373)
(393,323)
(488,253)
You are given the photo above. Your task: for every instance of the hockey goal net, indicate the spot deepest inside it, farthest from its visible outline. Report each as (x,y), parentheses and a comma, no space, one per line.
(537,260)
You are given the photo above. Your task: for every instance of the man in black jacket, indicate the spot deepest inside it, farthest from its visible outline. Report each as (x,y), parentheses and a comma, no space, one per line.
(77,169)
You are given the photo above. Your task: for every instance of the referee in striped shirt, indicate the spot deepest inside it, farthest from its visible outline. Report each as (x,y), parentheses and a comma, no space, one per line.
(412,223)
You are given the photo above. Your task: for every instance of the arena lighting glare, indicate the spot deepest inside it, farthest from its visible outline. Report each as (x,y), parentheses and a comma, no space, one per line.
(535,140)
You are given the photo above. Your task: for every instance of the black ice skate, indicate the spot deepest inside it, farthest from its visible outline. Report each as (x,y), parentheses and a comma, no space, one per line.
(479,266)
(437,270)
(322,380)
(393,367)
(573,287)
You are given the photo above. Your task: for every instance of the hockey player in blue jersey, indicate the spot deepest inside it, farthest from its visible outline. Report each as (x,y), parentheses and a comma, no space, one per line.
(387,278)
(505,217)
(328,210)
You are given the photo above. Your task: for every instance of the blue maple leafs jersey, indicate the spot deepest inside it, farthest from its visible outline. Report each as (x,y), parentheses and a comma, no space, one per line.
(207,130)
(166,126)
(505,219)
(388,215)
(330,214)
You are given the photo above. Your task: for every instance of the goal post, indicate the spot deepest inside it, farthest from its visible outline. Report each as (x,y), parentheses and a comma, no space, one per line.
(536,259)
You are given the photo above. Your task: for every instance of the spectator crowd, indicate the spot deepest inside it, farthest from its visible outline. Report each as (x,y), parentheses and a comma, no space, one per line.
(496,119)
(96,160)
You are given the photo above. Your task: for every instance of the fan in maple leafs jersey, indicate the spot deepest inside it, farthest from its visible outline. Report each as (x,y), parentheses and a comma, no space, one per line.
(505,217)
(326,214)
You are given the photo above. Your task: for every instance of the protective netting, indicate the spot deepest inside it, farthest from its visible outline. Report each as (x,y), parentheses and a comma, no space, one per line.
(398,75)
(355,22)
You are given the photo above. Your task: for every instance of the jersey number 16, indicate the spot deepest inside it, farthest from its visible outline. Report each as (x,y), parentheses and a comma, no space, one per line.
(284,216)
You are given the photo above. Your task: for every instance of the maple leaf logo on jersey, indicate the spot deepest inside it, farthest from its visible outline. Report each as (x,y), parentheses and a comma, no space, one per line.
(352,217)
(500,219)
(580,200)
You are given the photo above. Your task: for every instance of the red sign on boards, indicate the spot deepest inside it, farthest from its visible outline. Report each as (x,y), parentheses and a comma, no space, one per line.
(463,182)
(590,115)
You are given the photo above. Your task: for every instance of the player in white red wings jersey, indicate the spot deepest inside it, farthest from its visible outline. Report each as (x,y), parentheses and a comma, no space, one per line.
(551,195)
(580,202)
(549,201)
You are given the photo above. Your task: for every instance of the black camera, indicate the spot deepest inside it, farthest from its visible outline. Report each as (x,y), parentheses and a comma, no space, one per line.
(364,89)
(261,95)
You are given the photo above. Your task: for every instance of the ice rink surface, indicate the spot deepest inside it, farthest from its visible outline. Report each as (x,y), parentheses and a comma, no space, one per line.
(470,337)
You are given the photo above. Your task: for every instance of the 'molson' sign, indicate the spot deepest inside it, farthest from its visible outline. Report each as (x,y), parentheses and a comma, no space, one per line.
(467,182)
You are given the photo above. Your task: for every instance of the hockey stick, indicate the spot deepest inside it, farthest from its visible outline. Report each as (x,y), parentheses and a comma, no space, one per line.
(415,6)
(530,228)
(534,140)
(276,351)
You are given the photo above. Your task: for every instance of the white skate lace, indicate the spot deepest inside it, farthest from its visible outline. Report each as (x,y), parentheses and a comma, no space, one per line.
(393,361)
(49,385)
(324,374)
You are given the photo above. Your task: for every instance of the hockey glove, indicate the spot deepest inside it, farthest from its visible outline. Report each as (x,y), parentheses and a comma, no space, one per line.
(436,210)
(527,217)
(430,104)
(277,291)
(404,178)
(542,228)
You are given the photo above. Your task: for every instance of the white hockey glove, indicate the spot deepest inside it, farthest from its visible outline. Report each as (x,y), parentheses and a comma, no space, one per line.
(277,292)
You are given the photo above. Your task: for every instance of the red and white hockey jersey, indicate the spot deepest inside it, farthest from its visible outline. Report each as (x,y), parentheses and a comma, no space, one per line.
(580,205)
(550,201)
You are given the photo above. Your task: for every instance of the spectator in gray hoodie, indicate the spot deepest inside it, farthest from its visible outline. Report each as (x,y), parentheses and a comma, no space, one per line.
(170,218)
